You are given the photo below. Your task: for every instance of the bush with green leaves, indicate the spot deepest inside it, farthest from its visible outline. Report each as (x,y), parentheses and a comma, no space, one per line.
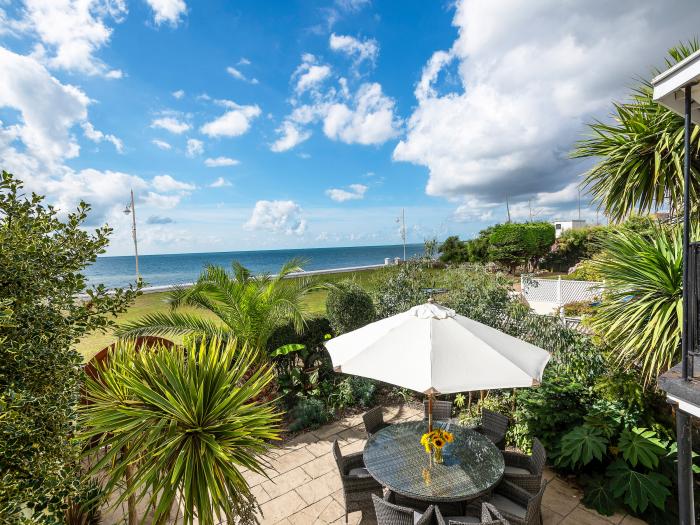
(476,293)
(349,307)
(515,245)
(400,290)
(178,425)
(41,260)
(308,413)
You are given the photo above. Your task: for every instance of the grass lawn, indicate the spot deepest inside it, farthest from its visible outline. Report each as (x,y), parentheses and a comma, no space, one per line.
(155,302)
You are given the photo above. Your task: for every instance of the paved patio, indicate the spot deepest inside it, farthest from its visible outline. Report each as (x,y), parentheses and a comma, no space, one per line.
(304,487)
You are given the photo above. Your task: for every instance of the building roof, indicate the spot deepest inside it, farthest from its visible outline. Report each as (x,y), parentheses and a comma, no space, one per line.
(668,86)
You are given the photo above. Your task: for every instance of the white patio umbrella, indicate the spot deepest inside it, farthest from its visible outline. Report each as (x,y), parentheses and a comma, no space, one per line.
(433,350)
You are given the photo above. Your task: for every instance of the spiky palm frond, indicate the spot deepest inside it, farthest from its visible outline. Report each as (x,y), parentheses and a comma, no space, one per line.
(186,421)
(247,306)
(640,154)
(641,313)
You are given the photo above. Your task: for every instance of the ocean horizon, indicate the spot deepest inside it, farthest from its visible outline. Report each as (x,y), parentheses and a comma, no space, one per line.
(182,268)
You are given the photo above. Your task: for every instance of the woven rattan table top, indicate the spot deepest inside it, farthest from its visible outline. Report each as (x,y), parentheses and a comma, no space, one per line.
(472,464)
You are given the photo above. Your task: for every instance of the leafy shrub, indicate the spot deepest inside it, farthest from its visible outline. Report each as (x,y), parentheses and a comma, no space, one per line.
(584,271)
(516,244)
(578,308)
(349,307)
(401,290)
(363,390)
(453,251)
(41,259)
(476,293)
(308,413)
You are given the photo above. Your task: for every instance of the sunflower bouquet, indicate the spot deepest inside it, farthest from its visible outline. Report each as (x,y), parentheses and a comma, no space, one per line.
(435,440)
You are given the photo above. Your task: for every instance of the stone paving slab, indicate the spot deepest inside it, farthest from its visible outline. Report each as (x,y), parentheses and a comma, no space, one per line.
(304,486)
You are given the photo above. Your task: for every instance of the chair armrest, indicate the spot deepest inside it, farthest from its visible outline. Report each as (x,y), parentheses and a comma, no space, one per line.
(439,519)
(513,492)
(354,460)
(516,459)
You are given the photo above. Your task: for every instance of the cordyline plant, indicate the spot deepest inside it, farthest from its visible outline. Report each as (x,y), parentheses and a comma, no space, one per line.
(179,425)
(640,153)
(641,312)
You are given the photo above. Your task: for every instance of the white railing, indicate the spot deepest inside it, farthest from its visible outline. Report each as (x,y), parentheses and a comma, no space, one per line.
(548,296)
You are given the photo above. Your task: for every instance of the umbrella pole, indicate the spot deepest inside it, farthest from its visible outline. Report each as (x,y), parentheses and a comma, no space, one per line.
(430,412)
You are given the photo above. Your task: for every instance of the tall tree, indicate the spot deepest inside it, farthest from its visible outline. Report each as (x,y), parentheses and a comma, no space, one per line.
(41,259)
(245,306)
(640,153)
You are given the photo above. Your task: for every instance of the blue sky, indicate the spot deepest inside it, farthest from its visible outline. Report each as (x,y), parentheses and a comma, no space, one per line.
(253,125)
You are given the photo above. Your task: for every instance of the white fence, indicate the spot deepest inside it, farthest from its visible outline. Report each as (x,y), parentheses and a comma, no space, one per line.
(547,296)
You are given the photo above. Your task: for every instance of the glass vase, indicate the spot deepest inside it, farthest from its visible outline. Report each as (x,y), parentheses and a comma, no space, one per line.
(437,455)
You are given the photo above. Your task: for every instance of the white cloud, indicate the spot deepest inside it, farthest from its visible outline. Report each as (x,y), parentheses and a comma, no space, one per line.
(354,192)
(220,183)
(243,62)
(159,219)
(219,162)
(48,109)
(370,121)
(161,144)
(291,136)
(168,11)
(233,123)
(530,75)
(236,73)
(194,147)
(97,136)
(166,183)
(277,217)
(158,200)
(309,74)
(171,124)
(178,94)
(71,32)
(359,50)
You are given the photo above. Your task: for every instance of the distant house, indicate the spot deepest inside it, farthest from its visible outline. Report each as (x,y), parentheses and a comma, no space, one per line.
(561,226)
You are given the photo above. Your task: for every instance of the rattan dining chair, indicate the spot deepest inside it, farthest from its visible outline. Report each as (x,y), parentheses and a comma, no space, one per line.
(517,505)
(391,514)
(358,485)
(374,420)
(523,470)
(486,514)
(494,426)
(446,507)
(442,410)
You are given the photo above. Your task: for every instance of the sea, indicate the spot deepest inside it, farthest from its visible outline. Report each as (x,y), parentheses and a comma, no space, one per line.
(183,268)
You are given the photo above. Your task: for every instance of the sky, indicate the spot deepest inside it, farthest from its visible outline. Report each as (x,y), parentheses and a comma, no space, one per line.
(244,125)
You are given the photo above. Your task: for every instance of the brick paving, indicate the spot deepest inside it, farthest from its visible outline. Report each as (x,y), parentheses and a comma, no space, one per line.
(304,486)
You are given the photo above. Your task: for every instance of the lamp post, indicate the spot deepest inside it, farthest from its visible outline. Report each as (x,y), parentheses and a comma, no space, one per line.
(130,209)
(402,221)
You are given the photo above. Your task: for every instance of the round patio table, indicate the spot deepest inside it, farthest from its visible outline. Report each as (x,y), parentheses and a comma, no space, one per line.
(472,465)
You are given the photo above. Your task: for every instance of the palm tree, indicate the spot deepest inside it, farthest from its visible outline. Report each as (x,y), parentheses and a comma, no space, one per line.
(640,316)
(247,307)
(180,424)
(640,154)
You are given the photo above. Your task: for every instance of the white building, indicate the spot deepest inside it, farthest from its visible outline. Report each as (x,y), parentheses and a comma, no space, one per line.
(561,226)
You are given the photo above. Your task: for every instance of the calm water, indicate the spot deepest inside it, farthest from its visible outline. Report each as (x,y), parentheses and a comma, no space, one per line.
(159,270)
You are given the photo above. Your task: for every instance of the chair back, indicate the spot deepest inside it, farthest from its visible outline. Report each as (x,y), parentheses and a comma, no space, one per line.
(538,457)
(338,456)
(442,410)
(390,514)
(494,422)
(373,420)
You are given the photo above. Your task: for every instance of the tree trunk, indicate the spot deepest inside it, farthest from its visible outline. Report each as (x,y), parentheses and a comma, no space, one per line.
(131,501)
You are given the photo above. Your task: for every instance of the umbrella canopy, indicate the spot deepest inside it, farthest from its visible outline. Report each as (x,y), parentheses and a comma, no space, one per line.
(431,349)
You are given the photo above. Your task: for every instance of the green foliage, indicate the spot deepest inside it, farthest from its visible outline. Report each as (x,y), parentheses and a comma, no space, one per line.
(641,312)
(453,251)
(430,248)
(308,413)
(581,445)
(349,307)
(574,246)
(476,293)
(598,495)
(401,290)
(578,309)
(248,307)
(636,488)
(517,244)
(584,271)
(41,260)
(639,445)
(640,153)
(185,420)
